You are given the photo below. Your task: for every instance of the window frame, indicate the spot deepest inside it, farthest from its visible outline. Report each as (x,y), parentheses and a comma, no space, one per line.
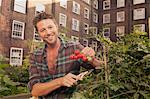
(63,3)
(86,15)
(104,18)
(11,55)
(61,23)
(95,17)
(17,6)
(139,15)
(120,3)
(119,34)
(76,10)
(77,28)
(108,32)
(119,18)
(142,27)
(22,32)
(104,4)
(138,2)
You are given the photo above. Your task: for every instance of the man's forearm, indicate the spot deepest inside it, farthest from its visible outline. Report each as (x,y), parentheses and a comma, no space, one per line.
(40,89)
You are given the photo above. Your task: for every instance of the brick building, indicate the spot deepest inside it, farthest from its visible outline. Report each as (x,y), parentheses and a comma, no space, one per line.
(77,19)
(120,17)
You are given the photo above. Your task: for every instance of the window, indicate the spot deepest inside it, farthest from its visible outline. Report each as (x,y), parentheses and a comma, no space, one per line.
(106,4)
(120,30)
(93,30)
(18,29)
(62,19)
(87,1)
(85,42)
(120,3)
(16,56)
(75,38)
(75,24)
(20,6)
(95,4)
(106,18)
(36,37)
(139,14)
(120,16)
(138,1)
(139,27)
(76,7)
(95,17)
(86,13)
(106,32)
(86,28)
(94,45)
(63,3)
(0,2)
(39,8)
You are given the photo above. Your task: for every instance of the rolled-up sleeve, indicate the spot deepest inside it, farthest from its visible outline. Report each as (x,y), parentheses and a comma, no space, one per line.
(34,76)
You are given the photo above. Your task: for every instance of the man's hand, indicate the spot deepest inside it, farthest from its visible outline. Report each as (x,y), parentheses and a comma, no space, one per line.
(68,80)
(88,51)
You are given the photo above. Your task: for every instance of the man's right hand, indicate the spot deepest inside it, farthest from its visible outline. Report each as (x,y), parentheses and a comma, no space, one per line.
(69,80)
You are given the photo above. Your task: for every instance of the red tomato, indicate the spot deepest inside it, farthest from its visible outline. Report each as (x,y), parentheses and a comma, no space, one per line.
(84,58)
(72,56)
(76,52)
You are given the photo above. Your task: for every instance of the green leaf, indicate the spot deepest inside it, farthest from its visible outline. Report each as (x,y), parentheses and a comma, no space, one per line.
(8,81)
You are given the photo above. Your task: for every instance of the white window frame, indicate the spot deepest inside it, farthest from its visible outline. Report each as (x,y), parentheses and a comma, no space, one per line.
(95,4)
(95,17)
(104,31)
(106,18)
(94,30)
(120,16)
(120,31)
(86,28)
(120,3)
(20,6)
(76,8)
(86,13)
(62,19)
(139,13)
(94,45)
(85,42)
(63,3)
(16,55)
(75,24)
(139,27)
(138,1)
(75,38)
(21,30)
(36,36)
(39,8)
(106,4)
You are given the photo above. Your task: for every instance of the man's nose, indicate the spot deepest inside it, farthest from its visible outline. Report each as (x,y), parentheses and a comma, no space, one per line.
(49,32)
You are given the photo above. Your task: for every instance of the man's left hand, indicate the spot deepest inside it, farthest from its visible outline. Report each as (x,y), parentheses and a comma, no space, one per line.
(88,51)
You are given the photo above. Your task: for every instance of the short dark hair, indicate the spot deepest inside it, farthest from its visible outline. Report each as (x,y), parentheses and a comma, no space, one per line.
(41,16)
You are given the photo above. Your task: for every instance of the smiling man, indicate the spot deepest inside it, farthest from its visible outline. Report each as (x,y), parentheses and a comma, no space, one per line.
(53,75)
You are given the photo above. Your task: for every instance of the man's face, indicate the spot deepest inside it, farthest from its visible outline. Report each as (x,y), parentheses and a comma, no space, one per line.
(48,31)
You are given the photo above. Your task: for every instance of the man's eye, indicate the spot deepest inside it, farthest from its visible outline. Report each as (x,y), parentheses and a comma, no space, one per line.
(42,30)
(49,27)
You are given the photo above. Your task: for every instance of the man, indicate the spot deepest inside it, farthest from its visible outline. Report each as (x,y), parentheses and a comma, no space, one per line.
(53,75)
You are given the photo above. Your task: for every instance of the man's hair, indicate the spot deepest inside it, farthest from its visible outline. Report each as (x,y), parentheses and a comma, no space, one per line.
(41,16)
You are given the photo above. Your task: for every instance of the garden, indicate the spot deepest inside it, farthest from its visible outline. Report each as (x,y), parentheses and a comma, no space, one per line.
(126,72)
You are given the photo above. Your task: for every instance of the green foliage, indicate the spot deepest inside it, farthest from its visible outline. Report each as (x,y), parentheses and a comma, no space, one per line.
(129,70)
(13,79)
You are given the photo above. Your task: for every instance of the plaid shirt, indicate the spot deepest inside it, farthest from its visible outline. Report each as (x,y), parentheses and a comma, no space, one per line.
(39,71)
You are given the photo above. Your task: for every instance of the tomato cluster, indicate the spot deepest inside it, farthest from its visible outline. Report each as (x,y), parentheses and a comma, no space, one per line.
(78,55)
